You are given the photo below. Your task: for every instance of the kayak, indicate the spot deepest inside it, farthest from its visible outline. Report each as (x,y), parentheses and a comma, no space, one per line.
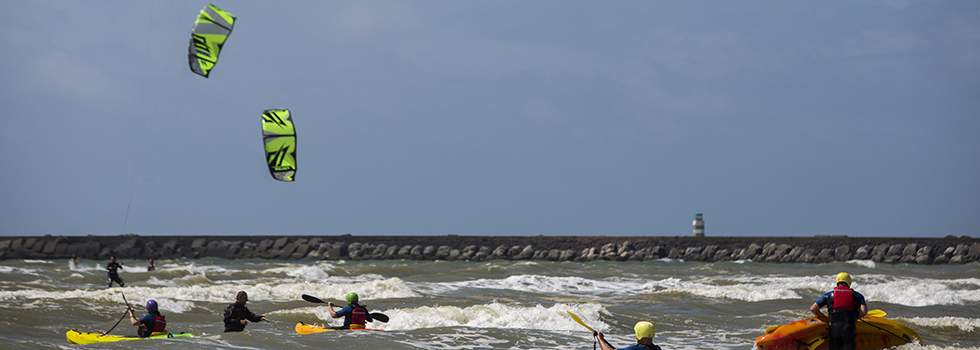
(812,334)
(303,328)
(76,337)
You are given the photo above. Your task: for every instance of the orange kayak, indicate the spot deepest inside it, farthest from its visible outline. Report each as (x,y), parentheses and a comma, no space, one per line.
(873,333)
(303,328)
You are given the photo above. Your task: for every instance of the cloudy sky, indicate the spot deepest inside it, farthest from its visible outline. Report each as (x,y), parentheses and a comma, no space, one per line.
(621,118)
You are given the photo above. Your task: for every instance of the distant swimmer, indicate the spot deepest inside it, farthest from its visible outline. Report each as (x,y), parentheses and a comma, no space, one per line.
(150,267)
(113,268)
(355,315)
(153,322)
(237,315)
(644,338)
(845,306)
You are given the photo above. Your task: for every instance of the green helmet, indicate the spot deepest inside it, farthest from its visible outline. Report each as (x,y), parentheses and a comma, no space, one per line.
(351,297)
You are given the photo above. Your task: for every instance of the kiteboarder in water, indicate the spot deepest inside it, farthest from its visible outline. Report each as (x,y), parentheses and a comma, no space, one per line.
(113,268)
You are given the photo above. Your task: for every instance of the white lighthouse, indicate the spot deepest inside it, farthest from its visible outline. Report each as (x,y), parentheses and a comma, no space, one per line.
(698,225)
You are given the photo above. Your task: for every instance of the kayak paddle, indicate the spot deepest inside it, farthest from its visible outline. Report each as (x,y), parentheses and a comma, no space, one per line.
(123,316)
(375,315)
(594,333)
(579,320)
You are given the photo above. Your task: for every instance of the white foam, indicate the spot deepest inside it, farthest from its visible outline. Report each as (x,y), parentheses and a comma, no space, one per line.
(920,292)
(545,285)
(32,261)
(222,292)
(930,347)
(493,315)
(863,263)
(754,292)
(964,324)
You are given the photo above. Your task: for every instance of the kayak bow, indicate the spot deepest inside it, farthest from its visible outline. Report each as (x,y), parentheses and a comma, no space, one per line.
(76,337)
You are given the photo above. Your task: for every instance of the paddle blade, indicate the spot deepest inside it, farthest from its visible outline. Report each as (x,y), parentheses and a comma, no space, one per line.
(579,320)
(876,313)
(312,299)
(377,316)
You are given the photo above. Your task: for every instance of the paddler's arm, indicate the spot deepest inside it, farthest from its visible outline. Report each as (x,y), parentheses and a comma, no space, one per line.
(332,313)
(132,318)
(603,344)
(862,311)
(815,309)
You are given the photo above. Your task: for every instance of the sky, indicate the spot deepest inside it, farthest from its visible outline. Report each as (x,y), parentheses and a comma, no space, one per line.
(514,118)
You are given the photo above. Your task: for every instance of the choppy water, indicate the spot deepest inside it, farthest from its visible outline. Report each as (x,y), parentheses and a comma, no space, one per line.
(476,305)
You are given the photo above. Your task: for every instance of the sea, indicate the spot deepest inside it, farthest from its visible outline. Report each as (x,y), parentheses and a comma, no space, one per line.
(474,305)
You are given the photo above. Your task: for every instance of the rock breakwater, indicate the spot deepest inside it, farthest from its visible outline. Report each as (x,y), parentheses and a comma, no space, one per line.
(818,249)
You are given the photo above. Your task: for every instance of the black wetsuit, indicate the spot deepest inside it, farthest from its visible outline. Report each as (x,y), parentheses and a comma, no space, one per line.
(113,268)
(235,313)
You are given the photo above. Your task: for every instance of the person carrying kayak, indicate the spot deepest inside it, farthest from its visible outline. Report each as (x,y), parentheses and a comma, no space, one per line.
(237,315)
(113,268)
(153,322)
(355,315)
(845,306)
(644,338)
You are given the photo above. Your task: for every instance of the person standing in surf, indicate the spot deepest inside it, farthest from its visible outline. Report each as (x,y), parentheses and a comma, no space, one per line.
(355,315)
(845,306)
(153,322)
(113,268)
(237,315)
(645,331)
(151,267)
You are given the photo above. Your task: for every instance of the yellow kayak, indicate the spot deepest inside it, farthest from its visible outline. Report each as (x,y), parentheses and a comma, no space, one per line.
(303,328)
(76,337)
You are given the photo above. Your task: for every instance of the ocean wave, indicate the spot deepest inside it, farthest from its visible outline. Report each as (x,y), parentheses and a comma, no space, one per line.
(962,323)
(863,263)
(391,288)
(920,292)
(492,315)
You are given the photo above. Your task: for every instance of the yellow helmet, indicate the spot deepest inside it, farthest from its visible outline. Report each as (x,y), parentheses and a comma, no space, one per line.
(644,329)
(843,277)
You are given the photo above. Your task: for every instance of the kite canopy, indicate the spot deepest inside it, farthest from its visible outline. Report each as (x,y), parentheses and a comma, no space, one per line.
(212,28)
(279,135)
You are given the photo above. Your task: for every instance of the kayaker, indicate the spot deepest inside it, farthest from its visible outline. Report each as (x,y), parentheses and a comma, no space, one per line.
(113,268)
(355,315)
(151,323)
(150,267)
(845,306)
(644,338)
(237,315)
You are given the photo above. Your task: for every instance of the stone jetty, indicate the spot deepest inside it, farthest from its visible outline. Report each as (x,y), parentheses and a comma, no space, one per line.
(818,249)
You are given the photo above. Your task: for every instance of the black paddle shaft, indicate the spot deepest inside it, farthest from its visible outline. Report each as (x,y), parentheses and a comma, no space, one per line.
(375,315)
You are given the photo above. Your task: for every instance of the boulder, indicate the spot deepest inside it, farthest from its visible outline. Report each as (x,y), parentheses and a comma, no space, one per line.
(878,254)
(280,243)
(863,253)
(923,255)
(750,252)
(842,253)
(707,253)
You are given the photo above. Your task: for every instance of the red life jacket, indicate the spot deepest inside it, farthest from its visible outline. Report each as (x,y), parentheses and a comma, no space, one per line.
(843,299)
(159,325)
(358,315)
